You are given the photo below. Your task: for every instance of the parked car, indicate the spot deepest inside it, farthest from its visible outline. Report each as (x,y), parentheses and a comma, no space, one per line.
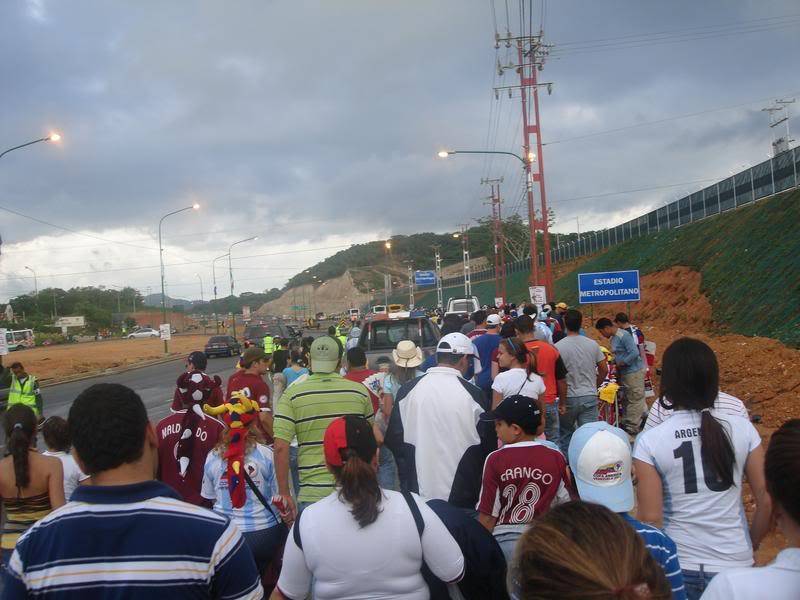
(144,332)
(462,306)
(222,345)
(379,337)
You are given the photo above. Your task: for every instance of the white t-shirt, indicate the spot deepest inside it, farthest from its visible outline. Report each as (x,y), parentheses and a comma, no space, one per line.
(709,527)
(725,404)
(513,381)
(381,560)
(72,472)
(779,580)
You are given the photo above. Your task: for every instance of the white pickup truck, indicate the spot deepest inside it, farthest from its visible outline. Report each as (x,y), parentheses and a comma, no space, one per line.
(462,306)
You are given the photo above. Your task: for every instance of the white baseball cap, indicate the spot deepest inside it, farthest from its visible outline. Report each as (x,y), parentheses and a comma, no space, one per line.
(458,343)
(600,458)
(493,321)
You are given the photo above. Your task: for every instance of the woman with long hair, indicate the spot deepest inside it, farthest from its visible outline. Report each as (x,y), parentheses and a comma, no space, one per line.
(697,458)
(31,484)
(256,518)
(520,376)
(582,550)
(362,541)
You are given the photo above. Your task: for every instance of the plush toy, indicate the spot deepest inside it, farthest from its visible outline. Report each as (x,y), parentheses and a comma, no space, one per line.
(194,389)
(239,412)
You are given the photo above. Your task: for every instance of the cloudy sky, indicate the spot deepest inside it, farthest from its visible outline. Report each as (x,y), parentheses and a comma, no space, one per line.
(314,125)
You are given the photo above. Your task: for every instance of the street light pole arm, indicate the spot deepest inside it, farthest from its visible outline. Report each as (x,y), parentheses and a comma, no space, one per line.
(2,154)
(517,156)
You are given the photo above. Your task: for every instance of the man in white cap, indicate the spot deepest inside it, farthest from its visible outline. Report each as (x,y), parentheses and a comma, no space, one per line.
(435,431)
(600,461)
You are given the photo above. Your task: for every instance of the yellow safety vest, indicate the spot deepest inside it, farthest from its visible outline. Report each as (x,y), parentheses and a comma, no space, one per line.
(23,393)
(343,340)
(269,344)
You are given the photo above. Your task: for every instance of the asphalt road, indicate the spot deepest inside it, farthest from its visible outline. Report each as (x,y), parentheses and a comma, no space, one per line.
(155,385)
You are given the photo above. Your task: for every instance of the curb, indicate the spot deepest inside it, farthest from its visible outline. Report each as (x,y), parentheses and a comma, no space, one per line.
(111,371)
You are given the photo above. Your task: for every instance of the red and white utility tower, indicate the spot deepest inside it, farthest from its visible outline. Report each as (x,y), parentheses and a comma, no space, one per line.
(531,54)
(498,239)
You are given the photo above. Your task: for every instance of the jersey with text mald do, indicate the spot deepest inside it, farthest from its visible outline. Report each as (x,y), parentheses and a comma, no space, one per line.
(520,482)
(169,433)
(704,517)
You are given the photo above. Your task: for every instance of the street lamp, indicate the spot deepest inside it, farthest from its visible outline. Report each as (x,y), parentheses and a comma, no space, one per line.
(53,137)
(194,206)
(230,273)
(531,155)
(35,287)
(214,280)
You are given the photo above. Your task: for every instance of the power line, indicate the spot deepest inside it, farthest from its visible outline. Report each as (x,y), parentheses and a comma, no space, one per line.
(664,120)
(643,189)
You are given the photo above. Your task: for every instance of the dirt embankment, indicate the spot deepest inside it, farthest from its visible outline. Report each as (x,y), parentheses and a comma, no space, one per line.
(762,372)
(333,296)
(55,362)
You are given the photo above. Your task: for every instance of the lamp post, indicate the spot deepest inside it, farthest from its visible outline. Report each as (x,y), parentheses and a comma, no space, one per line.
(200,279)
(214,280)
(194,206)
(526,165)
(230,273)
(35,288)
(53,137)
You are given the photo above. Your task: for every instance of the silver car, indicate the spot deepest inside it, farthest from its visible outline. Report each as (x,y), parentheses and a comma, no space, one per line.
(379,337)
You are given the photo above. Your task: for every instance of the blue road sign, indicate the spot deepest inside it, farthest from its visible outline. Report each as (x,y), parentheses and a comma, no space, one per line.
(424,278)
(612,286)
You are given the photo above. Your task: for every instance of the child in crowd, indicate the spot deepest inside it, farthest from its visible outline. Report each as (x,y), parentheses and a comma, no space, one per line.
(524,477)
(56,436)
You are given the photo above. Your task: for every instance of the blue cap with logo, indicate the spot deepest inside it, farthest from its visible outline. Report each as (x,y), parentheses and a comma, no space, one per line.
(600,459)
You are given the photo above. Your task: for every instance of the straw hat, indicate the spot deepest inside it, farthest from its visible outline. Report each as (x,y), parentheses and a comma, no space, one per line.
(407,354)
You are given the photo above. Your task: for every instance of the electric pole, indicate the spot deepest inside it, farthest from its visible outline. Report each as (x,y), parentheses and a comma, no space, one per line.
(464,235)
(439,291)
(498,238)
(531,55)
(410,285)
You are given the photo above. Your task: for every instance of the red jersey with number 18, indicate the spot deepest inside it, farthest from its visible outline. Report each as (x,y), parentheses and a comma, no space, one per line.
(521,481)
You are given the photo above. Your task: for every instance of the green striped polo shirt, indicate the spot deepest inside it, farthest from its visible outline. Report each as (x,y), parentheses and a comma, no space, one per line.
(304,411)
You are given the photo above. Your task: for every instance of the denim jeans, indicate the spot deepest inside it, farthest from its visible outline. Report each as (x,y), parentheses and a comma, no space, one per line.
(387,470)
(293,470)
(580,410)
(507,540)
(696,582)
(264,544)
(551,423)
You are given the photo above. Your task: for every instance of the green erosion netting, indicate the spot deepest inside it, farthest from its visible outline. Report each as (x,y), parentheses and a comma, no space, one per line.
(749,260)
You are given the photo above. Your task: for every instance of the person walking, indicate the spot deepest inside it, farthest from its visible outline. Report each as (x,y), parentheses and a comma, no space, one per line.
(361,541)
(250,380)
(779,580)
(519,375)
(295,369)
(259,523)
(630,373)
(127,535)
(23,388)
(430,462)
(523,478)
(55,432)
(486,345)
(587,368)
(406,359)
(304,411)
(550,367)
(600,460)
(697,460)
(31,484)
(582,550)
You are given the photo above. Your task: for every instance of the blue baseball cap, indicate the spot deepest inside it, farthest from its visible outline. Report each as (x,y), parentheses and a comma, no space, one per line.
(600,459)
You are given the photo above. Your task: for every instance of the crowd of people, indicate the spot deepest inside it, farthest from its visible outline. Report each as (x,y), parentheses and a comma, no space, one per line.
(481,471)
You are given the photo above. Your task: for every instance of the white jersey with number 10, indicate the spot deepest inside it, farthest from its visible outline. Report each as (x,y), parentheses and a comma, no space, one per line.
(703,516)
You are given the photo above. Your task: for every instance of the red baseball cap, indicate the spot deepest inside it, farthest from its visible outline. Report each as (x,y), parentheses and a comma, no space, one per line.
(349,432)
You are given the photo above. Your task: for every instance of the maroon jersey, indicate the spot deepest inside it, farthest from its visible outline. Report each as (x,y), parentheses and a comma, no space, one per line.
(520,481)
(168,432)
(253,386)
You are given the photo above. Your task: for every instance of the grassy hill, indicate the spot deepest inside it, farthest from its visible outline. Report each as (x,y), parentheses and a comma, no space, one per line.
(749,260)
